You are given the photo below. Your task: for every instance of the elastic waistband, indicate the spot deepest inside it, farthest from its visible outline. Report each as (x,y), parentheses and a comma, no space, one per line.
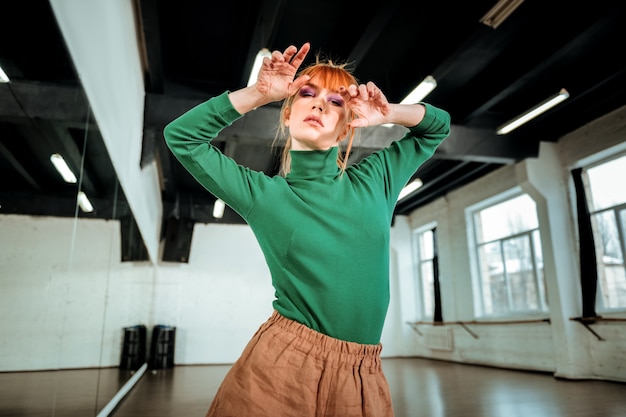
(310,341)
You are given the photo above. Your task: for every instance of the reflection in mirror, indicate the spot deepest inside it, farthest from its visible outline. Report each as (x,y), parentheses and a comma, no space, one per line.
(65,297)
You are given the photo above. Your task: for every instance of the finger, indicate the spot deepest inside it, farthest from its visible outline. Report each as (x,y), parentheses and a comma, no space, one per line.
(344,93)
(289,52)
(299,82)
(363,93)
(352,90)
(372,89)
(277,56)
(299,57)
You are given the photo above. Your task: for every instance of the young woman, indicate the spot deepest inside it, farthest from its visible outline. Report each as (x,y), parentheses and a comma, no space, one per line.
(324,229)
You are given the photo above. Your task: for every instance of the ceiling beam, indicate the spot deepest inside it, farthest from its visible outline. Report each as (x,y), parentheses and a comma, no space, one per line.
(600,31)
(258,128)
(149,42)
(46,101)
(372,32)
(38,204)
(269,13)
(17,165)
(66,146)
(442,185)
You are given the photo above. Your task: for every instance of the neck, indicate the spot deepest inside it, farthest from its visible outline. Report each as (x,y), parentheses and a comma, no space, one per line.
(313,163)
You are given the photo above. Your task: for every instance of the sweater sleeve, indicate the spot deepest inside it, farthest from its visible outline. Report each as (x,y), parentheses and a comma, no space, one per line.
(200,124)
(394,165)
(435,126)
(189,138)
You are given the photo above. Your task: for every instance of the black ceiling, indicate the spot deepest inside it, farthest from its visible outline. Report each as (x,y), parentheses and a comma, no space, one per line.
(198,49)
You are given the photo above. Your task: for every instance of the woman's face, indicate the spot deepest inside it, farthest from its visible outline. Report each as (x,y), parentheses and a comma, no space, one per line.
(317,118)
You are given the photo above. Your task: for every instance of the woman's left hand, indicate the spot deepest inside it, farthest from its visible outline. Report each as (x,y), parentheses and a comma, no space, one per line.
(368,102)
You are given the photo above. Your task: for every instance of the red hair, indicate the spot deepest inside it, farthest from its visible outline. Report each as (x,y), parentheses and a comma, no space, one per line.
(331,76)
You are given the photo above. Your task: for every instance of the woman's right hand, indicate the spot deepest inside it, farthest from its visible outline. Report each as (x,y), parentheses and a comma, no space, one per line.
(275,80)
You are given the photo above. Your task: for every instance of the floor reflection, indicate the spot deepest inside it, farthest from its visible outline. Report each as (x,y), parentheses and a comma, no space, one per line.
(419,388)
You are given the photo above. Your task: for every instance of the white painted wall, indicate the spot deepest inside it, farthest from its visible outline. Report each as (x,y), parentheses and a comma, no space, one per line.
(217,300)
(65,296)
(564,346)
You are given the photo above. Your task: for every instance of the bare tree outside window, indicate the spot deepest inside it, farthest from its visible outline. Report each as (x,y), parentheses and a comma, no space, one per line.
(509,258)
(424,257)
(607,202)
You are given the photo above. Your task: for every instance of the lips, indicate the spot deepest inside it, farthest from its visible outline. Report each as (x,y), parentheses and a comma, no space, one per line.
(314,120)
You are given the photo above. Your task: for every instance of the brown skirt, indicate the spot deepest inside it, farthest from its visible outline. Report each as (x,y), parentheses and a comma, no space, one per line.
(288,369)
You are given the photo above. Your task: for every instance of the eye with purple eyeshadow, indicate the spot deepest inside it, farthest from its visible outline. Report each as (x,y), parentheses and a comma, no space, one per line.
(307,92)
(310,91)
(336,100)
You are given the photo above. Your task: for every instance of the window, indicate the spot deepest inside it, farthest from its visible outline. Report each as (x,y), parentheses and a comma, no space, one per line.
(607,207)
(424,246)
(508,258)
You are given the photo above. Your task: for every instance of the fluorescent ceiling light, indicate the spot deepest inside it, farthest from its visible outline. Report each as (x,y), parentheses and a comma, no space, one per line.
(4,78)
(218,209)
(500,12)
(61,166)
(409,188)
(533,112)
(422,90)
(84,202)
(257,64)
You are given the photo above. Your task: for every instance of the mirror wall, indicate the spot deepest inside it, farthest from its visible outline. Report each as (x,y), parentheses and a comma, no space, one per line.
(66,294)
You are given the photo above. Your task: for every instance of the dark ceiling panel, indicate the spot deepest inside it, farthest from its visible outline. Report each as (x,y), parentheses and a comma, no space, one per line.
(192,50)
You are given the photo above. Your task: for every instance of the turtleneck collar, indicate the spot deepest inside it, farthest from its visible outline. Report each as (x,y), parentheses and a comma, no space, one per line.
(306,164)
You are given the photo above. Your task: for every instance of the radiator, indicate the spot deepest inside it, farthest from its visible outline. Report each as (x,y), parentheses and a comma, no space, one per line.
(438,338)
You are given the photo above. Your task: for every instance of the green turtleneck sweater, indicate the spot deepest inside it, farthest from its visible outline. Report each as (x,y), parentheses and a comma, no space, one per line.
(324,234)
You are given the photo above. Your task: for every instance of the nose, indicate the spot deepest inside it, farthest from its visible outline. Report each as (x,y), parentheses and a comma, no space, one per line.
(319,104)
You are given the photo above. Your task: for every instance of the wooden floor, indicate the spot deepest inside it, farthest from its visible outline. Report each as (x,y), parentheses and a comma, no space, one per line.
(65,393)
(420,388)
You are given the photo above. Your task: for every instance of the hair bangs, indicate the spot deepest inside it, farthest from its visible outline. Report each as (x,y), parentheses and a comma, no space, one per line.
(330,76)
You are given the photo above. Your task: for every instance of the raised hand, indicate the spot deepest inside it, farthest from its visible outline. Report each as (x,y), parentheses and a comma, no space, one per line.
(368,102)
(276,76)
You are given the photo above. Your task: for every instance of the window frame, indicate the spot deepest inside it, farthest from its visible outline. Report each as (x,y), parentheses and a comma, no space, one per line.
(539,279)
(619,212)
(418,261)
